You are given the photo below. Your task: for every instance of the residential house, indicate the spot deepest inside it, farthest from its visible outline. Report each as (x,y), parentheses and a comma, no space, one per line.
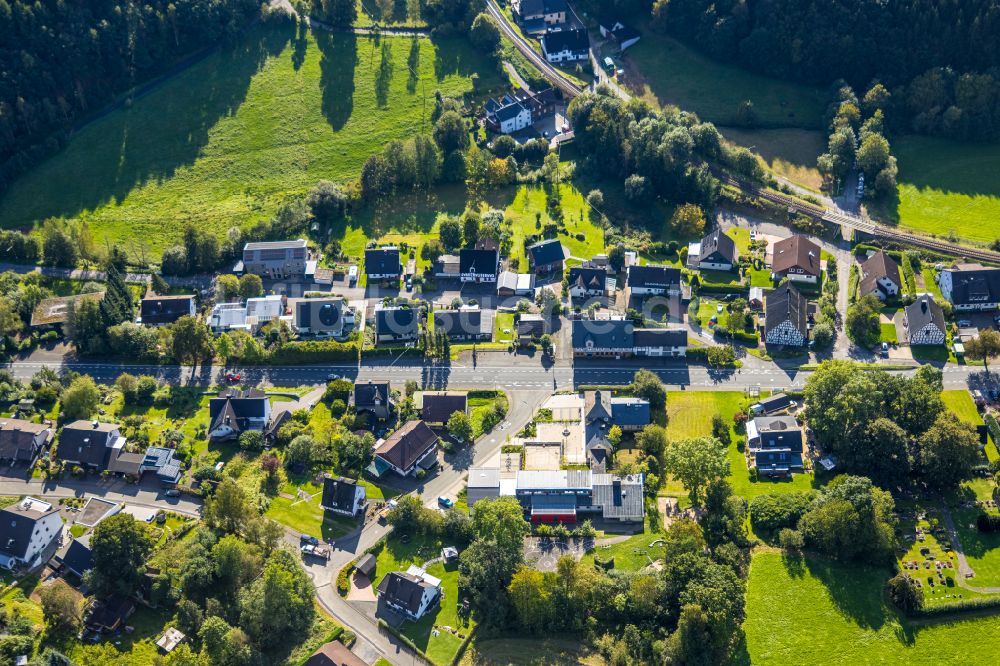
(619,33)
(620,338)
(971,287)
(413,446)
(550,12)
(396,325)
(630,414)
(108,615)
(411,593)
(587,282)
(93,445)
(925,322)
(479,266)
(374,398)
(22,441)
(341,495)
(163,310)
(228,317)
(775,445)
(507,115)
(653,280)
(250,317)
(234,412)
(715,252)
(438,406)
(334,653)
(383,263)
(879,276)
(75,557)
(30,527)
(160,460)
(546,256)
(796,258)
(52,313)
(786,317)
(511,284)
(755,299)
(448,266)
(276,260)
(530,327)
(565,45)
(467,324)
(568,495)
(322,317)
(483,483)
(772,404)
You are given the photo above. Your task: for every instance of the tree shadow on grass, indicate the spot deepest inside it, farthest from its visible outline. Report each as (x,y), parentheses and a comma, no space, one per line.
(155,134)
(413,66)
(337,65)
(855,589)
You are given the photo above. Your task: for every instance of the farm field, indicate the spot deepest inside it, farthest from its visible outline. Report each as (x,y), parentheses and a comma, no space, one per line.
(947,186)
(226,141)
(818,612)
(664,71)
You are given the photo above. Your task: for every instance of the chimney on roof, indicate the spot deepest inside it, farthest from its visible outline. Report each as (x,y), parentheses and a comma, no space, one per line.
(94,424)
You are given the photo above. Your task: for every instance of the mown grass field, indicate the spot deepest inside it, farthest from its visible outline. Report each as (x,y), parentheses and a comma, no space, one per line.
(226,141)
(819,612)
(949,187)
(789,152)
(665,71)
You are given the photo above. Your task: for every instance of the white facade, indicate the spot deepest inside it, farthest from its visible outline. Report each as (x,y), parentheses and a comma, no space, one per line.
(46,529)
(784,333)
(798,275)
(946,283)
(566,55)
(929,334)
(517,123)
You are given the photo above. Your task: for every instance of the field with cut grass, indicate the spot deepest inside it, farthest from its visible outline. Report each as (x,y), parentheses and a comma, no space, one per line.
(813,611)
(949,187)
(665,71)
(226,141)
(530,652)
(788,152)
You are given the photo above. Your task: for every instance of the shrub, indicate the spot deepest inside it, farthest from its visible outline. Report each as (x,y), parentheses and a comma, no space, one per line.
(770,513)
(904,594)
(790,539)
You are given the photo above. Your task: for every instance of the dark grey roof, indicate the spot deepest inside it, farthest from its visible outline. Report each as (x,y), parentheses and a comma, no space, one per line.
(597,405)
(482,262)
(781,439)
(630,411)
(382,261)
(616,334)
(339,493)
(534,325)
(17,438)
(438,406)
(619,497)
(924,311)
(786,304)
(975,285)
(574,40)
(77,556)
(879,265)
(546,252)
(463,322)
(625,33)
(717,247)
(16,526)
(537,7)
(404,590)
(775,402)
(653,276)
(234,407)
(592,279)
(660,337)
(371,394)
(509,111)
(398,322)
(366,564)
(86,442)
(164,309)
(403,447)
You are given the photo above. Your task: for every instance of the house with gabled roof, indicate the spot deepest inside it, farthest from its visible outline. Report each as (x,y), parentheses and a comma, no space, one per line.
(565,45)
(546,256)
(411,447)
(715,252)
(796,258)
(276,260)
(479,266)
(587,282)
(162,310)
(653,280)
(373,397)
(438,406)
(22,441)
(411,593)
(396,325)
(342,495)
(382,263)
(515,284)
(786,317)
(925,323)
(90,444)
(879,275)
(234,412)
(29,527)
(466,324)
(620,338)
(971,287)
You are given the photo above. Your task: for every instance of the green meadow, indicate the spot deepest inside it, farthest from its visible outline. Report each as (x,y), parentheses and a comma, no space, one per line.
(226,141)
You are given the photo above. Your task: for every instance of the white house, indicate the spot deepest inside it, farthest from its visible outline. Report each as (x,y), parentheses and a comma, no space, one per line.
(28,529)
(565,45)
(879,276)
(971,287)
(343,496)
(412,593)
(786,320)
(925,321)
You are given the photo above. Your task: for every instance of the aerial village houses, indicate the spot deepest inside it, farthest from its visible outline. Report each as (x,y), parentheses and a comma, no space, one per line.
(412,593)
(620,338)
(971,287)
(234,412)
(530,327)
(515,284)
(587,282)
(395,325)
(277,260)
(546,256)
(774,445)
(796,258)
(52,313)
(321,317)
(22,441)
(531,12)
(466,324)
(438,406)
(96,445)
(342,495)
(479,266)
(880,276)
(518,110)
(925,322)
(373,398)
(383,263)
(786,317)
(565,45)
(716,252)
(413,446)
(653,280)
(619,33)
(162,310)
(30,526)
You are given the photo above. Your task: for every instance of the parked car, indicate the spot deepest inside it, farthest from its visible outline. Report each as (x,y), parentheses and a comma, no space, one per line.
(963,323)
(232,377)
(315,551)
(332,377)
(445,502)
(150,517)
(885,349)
(173,492)
(308,539)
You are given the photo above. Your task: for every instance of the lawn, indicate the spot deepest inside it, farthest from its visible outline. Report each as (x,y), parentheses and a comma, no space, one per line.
(479,403)
(503,327)
(818,612)
(788,152)
(930,284)
(530,200)
(960,403)
(665,71)
(308,517)
(887,333)
(947,186)
(530,652)
(226,141)
(632,554)
(397,556)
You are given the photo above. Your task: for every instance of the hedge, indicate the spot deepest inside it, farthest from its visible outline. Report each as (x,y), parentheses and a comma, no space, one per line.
(464,646)
(718,287)
(994,428)
(970,604)
(314,351)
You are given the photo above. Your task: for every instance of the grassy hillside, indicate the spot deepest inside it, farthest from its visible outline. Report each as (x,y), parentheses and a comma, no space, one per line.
(665,71)
(226,141)
(819,612)
(946,186)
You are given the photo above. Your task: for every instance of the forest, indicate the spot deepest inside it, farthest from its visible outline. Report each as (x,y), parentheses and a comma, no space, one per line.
(939,59)
(60,61)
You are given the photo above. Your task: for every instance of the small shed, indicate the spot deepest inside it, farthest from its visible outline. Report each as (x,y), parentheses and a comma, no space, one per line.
(366,565)
(449,553)
(170,639)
